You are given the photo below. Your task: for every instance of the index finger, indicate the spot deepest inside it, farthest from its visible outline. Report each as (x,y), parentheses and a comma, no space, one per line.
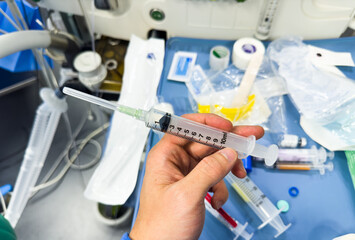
(199,151)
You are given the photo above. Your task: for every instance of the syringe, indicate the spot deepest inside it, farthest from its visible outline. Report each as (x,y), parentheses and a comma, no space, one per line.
(266,18)
(305,155)
(258,202)
(185,128)
(227,220)
(314,155)
(321,167)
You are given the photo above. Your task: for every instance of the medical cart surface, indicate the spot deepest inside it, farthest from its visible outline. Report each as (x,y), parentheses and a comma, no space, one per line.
(324,207)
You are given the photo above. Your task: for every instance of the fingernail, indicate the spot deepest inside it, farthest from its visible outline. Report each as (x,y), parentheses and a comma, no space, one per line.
(228,153)
(241,166)
(218,205)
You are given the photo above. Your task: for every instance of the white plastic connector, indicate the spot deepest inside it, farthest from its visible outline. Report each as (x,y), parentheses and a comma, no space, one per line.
(57,104)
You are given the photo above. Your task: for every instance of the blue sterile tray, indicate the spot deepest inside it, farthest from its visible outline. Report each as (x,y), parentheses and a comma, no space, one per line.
(324,208)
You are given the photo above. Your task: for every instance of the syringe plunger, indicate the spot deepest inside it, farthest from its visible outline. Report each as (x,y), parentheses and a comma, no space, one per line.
(268,153)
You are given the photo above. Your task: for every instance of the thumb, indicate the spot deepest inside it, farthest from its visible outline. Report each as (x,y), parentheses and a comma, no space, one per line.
(211,170)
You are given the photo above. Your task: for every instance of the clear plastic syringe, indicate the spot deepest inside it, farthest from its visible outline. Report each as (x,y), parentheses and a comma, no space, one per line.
(258,202)
(227,220)
(185,128)
(321,167)
(305,155)
(314,155)
(266,18)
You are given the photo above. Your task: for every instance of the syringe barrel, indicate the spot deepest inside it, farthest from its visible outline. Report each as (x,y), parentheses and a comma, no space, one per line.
(237,228)
(312,154)
(266,18)
(194,131)
(43,131)
(257,201)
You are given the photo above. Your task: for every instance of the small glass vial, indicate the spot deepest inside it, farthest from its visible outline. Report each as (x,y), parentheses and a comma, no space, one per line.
(292,141)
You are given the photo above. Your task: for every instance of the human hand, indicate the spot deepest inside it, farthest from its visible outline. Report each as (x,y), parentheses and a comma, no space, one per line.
(178,175)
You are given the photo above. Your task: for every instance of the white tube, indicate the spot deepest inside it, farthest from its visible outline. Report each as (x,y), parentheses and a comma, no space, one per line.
(23,40)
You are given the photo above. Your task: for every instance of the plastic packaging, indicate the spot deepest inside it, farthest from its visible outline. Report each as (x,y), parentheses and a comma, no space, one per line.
(321,97)
(115,178)
(272,88)
(317,95)
(200,88)
(215,92)
(180,69)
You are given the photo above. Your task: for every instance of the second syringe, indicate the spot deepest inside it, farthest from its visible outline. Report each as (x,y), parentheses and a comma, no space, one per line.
(258,202)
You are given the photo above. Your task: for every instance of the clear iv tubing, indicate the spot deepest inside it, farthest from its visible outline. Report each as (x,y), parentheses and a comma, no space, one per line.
(185,128)
(258,202)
